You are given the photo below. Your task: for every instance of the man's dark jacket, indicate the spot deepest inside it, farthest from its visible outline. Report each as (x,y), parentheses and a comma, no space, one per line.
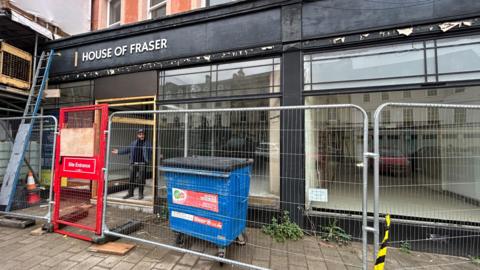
(146,150)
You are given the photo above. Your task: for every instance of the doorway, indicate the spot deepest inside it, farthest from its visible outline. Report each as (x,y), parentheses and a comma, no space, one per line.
(124,128)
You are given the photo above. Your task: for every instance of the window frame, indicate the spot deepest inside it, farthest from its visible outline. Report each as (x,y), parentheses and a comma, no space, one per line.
(151,8)
(216,90)
(109,15)
(432,73)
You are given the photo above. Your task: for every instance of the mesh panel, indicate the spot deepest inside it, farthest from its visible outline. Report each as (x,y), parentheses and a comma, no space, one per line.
(16,67)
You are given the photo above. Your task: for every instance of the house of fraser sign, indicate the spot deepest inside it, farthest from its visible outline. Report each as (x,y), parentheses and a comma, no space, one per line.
(119,51)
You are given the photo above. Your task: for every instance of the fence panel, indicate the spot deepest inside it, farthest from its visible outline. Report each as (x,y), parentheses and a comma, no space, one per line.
(300,161)
(31,201)
(428,173)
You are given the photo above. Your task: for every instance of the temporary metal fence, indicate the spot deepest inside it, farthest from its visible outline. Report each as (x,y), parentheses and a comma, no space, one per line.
(303,160)
(32,201)
(427,172)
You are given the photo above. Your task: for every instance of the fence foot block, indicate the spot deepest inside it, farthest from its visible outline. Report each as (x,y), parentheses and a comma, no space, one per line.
(16,222)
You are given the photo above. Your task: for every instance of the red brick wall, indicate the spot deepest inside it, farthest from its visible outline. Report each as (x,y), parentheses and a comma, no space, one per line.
(130,11)
(95,15)
(178,6)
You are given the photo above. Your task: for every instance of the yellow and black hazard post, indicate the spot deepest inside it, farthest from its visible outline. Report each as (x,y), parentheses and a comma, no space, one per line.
(382,253)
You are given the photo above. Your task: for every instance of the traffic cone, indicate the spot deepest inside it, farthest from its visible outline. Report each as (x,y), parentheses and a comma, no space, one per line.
(32,193)
(31,181)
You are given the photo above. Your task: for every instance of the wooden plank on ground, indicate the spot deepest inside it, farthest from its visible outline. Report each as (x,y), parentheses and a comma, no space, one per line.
(115,248)
(37,232)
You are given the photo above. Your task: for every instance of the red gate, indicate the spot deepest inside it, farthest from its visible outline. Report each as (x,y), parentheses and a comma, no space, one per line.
(79,178)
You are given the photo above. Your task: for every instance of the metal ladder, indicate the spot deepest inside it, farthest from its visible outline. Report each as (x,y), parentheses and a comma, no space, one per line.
(22,139)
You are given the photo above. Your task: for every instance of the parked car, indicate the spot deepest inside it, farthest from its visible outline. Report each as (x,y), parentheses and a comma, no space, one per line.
(264,149)
(394,162)
(242,147)
(427,160)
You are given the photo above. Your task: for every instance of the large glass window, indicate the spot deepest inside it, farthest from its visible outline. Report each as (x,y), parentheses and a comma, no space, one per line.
(428,156)
(71,94)
(233,79)
(439,60)
(246,134)
(388,65)
(459,58)
(114,12)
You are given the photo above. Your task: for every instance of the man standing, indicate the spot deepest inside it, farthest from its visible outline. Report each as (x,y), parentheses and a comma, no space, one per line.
(140,152)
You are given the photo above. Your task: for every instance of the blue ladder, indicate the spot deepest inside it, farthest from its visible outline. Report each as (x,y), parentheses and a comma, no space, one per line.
(22,139)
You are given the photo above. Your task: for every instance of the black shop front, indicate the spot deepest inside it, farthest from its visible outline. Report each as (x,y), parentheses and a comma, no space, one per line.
(271,53)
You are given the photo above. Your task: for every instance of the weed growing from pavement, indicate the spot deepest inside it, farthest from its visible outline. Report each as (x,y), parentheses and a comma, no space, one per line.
(283,229)
(405,247)
(475,260)
(333,233)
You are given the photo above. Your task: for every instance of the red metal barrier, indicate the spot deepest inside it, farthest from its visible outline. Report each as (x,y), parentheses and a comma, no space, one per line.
(79,178)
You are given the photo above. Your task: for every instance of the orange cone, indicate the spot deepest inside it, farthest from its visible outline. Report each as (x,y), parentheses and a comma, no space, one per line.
(31,182)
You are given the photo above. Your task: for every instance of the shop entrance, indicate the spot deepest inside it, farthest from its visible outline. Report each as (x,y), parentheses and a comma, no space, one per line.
(121,168)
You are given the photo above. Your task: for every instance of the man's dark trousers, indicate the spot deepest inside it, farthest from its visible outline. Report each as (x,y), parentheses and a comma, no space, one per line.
(139,168)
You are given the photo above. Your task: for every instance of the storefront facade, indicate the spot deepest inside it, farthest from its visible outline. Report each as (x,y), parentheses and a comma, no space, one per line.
(271,53)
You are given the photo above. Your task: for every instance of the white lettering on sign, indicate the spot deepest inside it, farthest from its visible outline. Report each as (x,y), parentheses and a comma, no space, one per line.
(79,165)
(134,48)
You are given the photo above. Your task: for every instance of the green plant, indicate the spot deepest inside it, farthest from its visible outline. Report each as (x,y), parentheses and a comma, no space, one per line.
(405,247)
(333,233)
(475,260)
(283,229)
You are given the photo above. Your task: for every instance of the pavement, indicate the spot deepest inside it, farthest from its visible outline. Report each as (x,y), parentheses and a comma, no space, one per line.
(20,250)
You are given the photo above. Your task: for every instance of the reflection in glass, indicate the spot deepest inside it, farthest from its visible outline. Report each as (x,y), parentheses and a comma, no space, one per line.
(429,157)
(233,79)
(241,134)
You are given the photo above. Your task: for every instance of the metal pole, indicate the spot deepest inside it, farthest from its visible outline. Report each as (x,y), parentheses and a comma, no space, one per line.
(196,253)
(35,56)
(105,186)
(185,139)
(52,165)
(40,148)
(365,192)
(376,179)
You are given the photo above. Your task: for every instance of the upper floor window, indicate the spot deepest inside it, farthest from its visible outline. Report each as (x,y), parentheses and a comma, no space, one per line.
(114,12)
(157,9)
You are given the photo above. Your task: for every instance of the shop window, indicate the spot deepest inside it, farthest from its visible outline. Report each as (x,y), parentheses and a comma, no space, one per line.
(157,9)
(114,12)
(389,65)
(458,58)
(243,134)
(438,148)
(233,79)
(450,59)
(71,94)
